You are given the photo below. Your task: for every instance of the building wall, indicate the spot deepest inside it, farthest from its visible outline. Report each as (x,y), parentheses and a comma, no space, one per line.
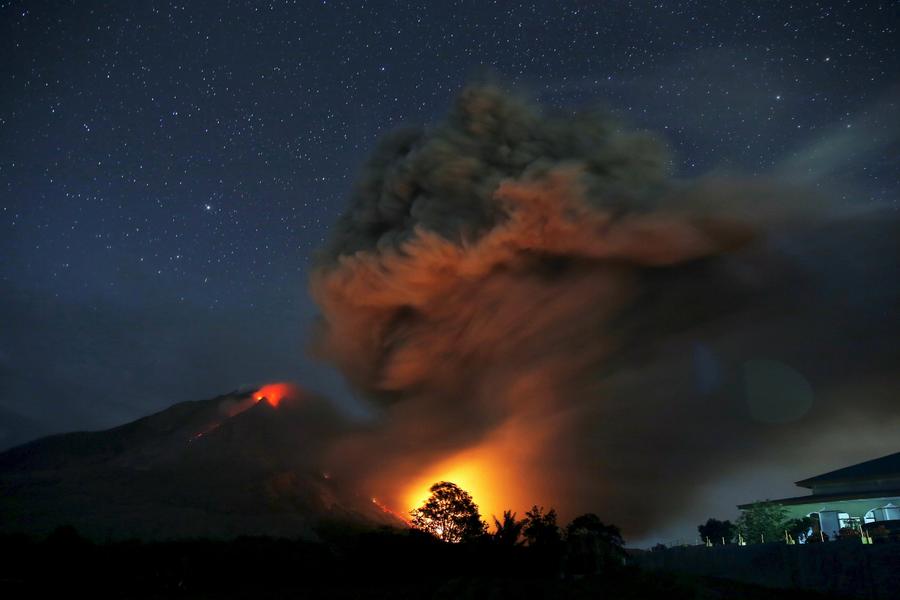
(855,508)
(829,510)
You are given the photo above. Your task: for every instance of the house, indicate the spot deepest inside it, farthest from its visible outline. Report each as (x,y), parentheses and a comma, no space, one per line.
(862,493)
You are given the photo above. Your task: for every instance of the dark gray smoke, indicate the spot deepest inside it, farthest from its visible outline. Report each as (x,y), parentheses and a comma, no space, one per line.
(540,292)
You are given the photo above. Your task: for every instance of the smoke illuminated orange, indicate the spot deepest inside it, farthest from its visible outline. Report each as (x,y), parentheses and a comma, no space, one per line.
(274,393)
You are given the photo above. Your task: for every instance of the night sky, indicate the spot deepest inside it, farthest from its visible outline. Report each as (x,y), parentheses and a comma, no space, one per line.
(167,171)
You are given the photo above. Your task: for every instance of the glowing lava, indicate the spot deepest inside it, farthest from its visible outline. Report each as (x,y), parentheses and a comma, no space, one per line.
(388,511)
(200,434)
(274,393)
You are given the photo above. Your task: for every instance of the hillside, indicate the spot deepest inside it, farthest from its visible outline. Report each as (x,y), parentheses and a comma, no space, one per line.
(232,465)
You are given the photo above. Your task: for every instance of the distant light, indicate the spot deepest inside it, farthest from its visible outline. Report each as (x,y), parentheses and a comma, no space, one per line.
(207,206)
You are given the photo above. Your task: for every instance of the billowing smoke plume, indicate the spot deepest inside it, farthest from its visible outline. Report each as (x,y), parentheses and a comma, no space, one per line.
(537,294)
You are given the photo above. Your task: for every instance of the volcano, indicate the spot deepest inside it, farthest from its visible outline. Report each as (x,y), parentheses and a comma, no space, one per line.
(238,464)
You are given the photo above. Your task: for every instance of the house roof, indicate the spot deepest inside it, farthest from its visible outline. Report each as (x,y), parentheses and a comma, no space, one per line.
(886,467)
(824,498)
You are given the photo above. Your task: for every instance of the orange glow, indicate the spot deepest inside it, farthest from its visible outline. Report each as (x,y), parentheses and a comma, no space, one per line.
(493,473)
(387,510)
(469,473)
(274,393)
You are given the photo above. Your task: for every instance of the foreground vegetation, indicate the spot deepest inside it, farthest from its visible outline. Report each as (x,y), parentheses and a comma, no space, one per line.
(449,552)
(344,564)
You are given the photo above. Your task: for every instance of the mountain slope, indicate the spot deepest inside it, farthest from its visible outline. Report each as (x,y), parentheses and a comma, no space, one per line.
(232,465)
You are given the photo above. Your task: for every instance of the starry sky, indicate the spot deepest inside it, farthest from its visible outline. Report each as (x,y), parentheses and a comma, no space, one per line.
(167,170)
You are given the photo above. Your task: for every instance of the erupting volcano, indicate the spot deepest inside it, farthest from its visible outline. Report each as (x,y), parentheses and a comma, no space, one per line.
(274,393)
(542,314)
(536,310)
(228,466)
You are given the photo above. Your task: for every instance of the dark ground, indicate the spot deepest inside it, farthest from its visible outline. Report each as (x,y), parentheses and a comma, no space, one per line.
(345,565)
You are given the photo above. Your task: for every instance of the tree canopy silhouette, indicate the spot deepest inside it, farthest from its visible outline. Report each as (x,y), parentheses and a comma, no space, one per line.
(716,531)
(593,546)
(541,528)
(590,523)
(762,522)
(449,514)
(508,531)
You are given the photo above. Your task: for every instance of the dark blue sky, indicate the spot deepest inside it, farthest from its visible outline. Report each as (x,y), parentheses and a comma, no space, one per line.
(167,170)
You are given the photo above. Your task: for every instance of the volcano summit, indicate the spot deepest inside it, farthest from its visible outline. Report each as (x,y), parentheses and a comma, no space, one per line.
(245,463)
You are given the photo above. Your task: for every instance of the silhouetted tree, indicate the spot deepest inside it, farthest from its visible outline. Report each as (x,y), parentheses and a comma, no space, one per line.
(507,531)
(540,528)
(715,531)
(449,514)
(545,547)
(591,523)
(762,521)
(592,545)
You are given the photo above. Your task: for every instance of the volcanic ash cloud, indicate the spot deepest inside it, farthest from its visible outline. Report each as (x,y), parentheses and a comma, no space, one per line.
(533,293)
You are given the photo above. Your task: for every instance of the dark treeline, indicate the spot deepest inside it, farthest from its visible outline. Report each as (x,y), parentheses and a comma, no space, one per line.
(345,563)
(448,552)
